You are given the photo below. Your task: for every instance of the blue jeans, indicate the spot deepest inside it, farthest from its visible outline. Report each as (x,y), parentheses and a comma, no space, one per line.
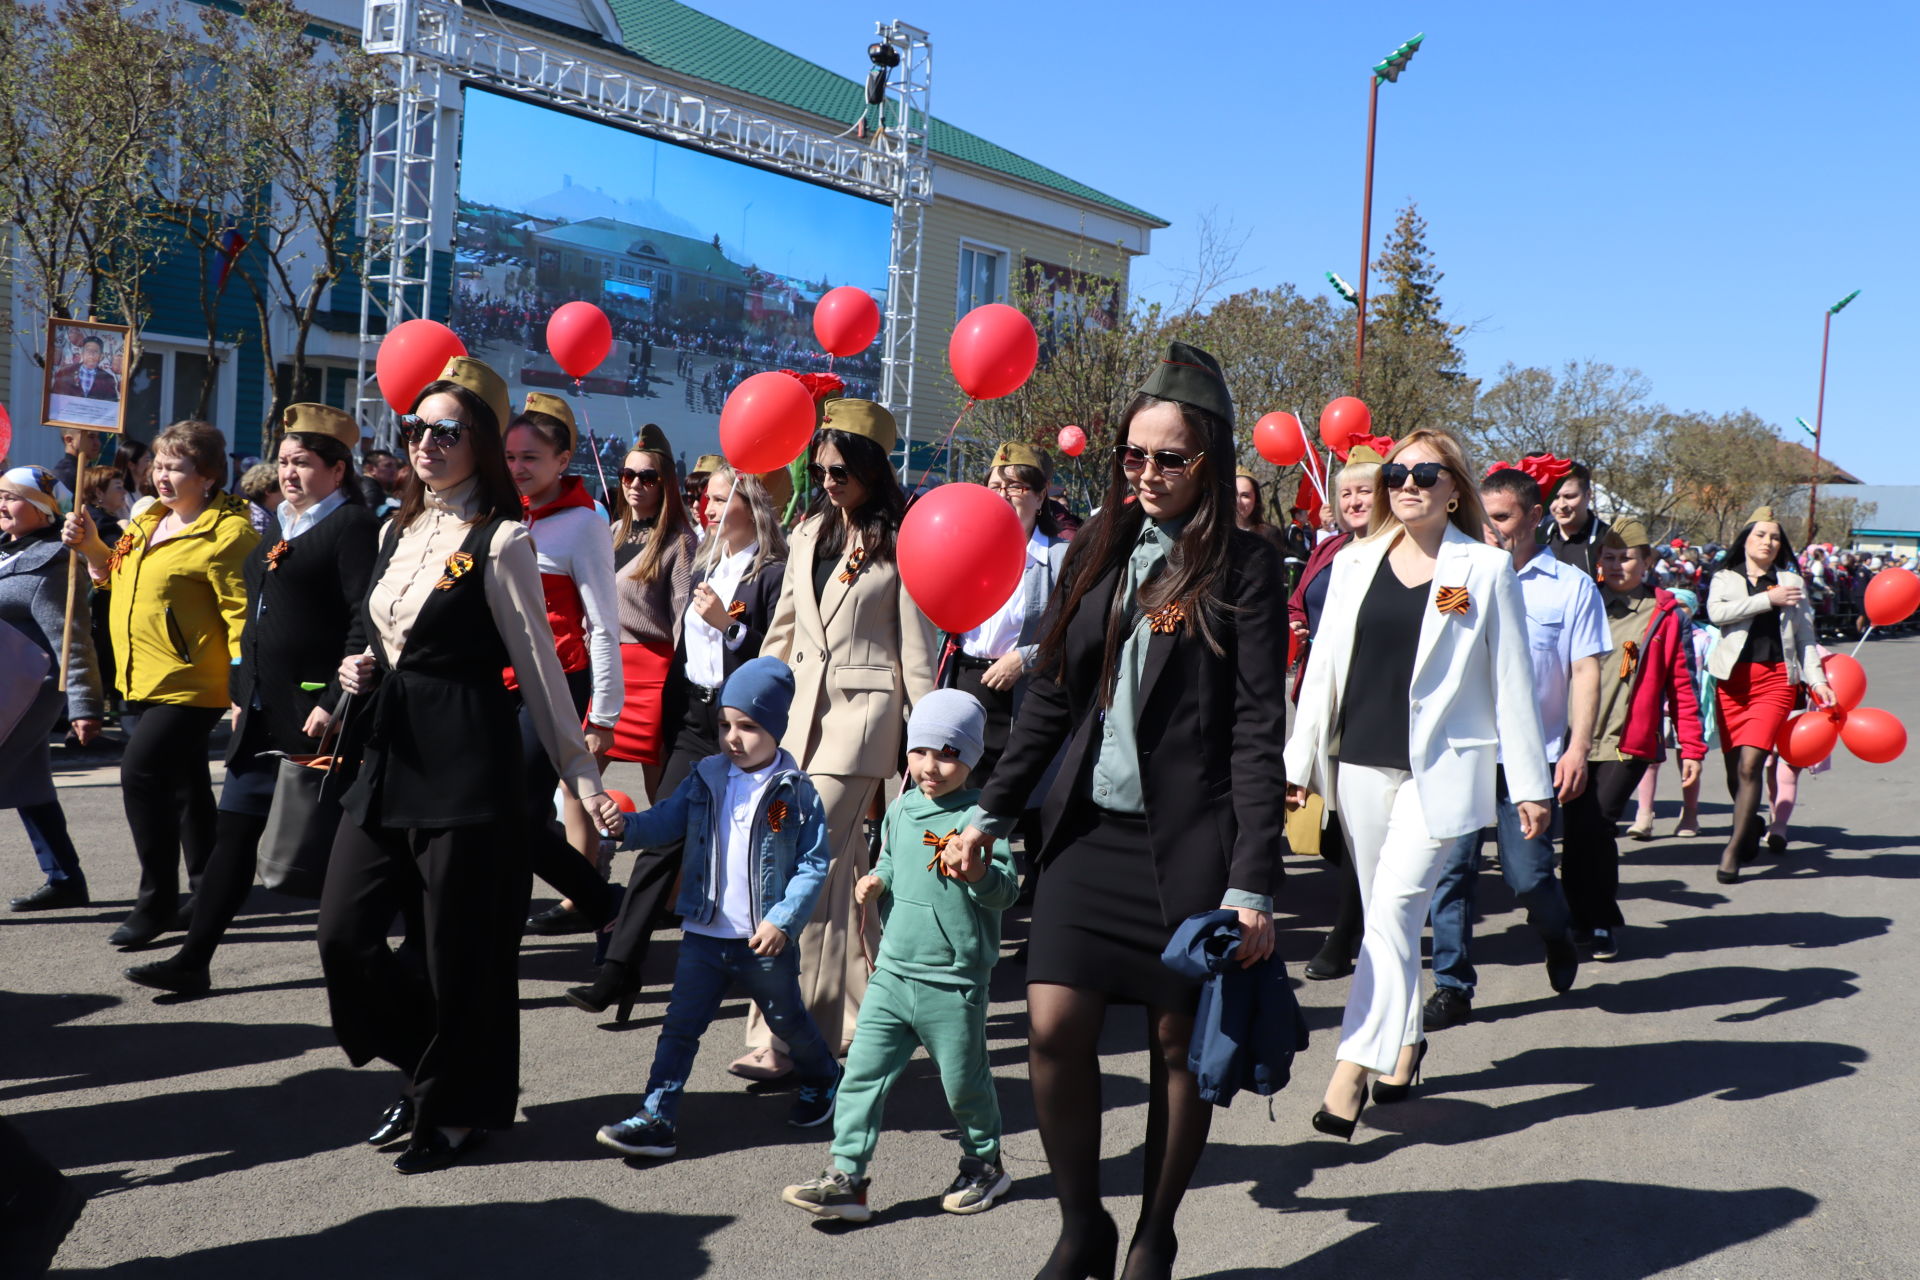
(1528,867)
(707,968)
(46,826)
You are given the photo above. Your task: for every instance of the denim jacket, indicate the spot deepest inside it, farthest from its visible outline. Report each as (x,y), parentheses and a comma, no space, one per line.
(789,835)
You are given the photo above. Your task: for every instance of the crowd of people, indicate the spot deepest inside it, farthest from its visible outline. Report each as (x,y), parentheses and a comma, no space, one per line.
(464,638)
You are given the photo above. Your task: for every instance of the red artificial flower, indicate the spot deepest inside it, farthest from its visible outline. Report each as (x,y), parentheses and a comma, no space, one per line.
(821,386)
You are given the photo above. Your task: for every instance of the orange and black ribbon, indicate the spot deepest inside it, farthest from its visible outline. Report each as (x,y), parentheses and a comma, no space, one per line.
(121,550)
(1167,618)
(939,846)
(776,816)
(855,563)
(1451,600)
(459,565)
(276,553)
(1629,659)
(737,610)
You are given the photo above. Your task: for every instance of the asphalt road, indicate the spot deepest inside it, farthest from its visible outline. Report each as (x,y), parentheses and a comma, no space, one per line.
(1733,1097)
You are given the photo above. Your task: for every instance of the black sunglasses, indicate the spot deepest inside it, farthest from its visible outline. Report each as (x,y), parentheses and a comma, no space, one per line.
(1133,458)
(649,477)
(446,431)
(838,473)
(1425,474)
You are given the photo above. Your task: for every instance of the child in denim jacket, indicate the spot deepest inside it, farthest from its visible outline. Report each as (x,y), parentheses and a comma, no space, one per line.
(756,858)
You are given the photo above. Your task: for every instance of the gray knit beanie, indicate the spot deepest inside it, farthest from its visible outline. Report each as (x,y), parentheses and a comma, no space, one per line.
(949,719)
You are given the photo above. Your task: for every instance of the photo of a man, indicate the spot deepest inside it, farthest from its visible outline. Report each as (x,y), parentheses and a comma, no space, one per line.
(84,363)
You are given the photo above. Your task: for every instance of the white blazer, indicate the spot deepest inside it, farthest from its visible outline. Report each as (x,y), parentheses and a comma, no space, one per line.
(1471,703)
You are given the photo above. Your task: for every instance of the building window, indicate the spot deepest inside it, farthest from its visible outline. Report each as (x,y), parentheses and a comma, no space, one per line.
(983,277)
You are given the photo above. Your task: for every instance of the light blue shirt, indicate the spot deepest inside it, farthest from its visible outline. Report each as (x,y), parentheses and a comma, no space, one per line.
(292,526)
(1566,621)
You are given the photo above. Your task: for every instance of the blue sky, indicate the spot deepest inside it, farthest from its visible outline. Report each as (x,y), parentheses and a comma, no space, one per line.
(514,152)
(1680,188)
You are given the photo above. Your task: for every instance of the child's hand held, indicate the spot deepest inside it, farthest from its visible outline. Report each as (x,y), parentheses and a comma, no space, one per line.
(866,889)
(767,940)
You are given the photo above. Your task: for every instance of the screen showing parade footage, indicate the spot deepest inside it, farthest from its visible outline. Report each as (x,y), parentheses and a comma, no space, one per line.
(708,268)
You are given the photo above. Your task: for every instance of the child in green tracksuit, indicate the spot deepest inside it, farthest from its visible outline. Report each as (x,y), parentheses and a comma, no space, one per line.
(929,986)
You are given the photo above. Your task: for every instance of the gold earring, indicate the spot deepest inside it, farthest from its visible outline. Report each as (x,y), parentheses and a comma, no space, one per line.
(1453,504)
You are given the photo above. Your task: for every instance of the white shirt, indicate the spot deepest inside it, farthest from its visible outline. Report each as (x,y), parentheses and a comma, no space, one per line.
(293,524)
(999,635)
(734,830)
(1566,621)
(706,660)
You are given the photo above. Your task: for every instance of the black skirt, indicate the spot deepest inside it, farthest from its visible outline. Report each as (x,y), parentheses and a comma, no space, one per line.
(1097,919)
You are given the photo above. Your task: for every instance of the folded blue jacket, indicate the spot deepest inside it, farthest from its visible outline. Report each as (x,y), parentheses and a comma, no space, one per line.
(1248,1025)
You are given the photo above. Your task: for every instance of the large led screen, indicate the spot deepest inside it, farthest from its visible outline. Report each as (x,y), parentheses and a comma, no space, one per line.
(708,268)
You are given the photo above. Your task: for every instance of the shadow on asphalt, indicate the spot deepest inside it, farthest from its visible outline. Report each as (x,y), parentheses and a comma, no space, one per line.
(576,1236)
(1783,990)
(1578,1230)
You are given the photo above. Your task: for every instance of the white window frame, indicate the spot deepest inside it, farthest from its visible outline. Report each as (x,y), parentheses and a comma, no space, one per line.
(962,286)
(226,395)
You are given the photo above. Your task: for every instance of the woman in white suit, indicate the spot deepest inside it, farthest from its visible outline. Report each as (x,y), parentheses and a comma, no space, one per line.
(1420,683)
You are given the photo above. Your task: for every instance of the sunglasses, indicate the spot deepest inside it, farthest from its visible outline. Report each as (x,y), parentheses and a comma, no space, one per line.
(1425,474)
(837,473)
(1133,458)
(647,478)
(446,432)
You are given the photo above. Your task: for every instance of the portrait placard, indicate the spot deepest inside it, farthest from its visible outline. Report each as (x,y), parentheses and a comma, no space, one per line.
(86,375)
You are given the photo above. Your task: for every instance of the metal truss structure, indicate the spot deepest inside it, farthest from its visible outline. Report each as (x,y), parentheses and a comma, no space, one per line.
(436,45)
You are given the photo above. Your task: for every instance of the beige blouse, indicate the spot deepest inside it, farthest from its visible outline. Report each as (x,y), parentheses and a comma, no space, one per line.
(519,608)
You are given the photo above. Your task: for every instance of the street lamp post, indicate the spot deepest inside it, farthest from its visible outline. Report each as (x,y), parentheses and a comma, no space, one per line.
(1820,410)
(1389,71)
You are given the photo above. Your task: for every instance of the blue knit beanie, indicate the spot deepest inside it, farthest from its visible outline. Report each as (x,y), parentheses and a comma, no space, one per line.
(949,719)
(763,689)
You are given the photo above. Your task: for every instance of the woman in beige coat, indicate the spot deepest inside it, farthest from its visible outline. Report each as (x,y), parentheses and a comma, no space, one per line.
(862,653)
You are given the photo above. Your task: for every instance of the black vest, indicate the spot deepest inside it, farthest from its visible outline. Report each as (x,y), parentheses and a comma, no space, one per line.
(438,741)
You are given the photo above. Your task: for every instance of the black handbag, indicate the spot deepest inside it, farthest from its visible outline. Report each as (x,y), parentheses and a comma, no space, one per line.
(302,821)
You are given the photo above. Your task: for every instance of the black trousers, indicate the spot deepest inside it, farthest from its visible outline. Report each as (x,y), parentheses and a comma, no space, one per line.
(554,860)
(999,707)
(649,897)
(452,1023)
(1590,853)
(224,885)
(168,796)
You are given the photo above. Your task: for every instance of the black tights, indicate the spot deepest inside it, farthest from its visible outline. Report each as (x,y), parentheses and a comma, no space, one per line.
(1349,922)
(1746,776)
(1065,1067)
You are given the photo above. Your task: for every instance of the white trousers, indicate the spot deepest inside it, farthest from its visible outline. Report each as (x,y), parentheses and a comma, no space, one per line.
(1398,865)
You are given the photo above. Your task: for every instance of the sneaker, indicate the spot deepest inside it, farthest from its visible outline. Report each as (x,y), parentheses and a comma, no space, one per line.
(834,1194)
(977,1187)
(814,1104)
(641,1134)
(1605,947)
(1446,1007)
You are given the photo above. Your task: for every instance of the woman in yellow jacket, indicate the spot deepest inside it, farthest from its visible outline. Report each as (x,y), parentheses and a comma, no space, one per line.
(179,602)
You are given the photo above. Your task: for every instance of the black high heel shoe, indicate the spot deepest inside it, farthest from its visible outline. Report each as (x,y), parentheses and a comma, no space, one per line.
(615,985)
(1338,1126)
(1384,1091)
(1084,1255)
(395,1123)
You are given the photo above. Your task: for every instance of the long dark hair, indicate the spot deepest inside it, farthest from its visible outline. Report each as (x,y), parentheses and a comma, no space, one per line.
(496,497)
(1196,569)
(1735,556)
(671,523)
(878,517)
(333,453)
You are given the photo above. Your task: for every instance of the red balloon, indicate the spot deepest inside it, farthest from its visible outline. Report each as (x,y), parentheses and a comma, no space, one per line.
(579,336)
(766,422)
(622,799)
(1806,739)
(1848,680)
(1279,439)
(1874,735)
(1072,441)
(846,321)
(6,433)
(1892,596)
(961,550)
(993,351)
(412,355)
(1343,419)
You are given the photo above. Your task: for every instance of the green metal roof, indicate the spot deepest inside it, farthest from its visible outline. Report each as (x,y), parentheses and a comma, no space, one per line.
(608,235)
(692,43)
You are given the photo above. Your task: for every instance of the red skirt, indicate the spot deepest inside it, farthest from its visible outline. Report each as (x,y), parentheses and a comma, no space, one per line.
(1754,702)
(636,738)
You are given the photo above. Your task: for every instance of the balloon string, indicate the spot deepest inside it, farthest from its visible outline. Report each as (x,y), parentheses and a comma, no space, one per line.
(1318,481)
(606,494)
(1863,640)
(943,444)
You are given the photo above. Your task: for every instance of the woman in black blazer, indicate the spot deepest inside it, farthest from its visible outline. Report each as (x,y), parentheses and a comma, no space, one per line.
(1163,670)
(737,576)
(305,582)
